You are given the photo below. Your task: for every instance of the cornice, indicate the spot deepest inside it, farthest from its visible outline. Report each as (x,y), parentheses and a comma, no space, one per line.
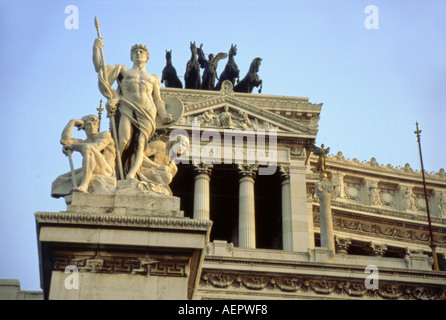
(374,168)
(122,221)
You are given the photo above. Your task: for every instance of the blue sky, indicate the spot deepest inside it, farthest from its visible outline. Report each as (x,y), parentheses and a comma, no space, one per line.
(374,84)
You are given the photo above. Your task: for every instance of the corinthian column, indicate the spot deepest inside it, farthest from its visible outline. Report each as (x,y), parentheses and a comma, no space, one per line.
(247,231)
(201,190)
(323,191)
(287,218)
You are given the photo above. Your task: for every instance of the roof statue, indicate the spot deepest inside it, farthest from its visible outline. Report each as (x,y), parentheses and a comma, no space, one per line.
(169,75)
(210,68)
(322,153)
(251,79)
(231,71)
(192,76)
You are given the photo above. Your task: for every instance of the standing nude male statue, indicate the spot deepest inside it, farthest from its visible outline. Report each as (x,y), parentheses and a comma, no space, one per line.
(139,101)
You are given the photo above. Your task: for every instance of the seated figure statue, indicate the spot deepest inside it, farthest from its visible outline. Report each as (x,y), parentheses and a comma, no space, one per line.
(159,168)
(98,156)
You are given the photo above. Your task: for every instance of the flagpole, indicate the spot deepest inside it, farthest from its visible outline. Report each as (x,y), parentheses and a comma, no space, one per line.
(112,118)
(432,245)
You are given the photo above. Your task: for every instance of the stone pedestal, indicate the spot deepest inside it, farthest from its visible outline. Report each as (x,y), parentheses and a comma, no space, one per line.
(132,244)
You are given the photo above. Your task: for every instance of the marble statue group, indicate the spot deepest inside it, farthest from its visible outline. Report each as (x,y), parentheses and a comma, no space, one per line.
(132,151)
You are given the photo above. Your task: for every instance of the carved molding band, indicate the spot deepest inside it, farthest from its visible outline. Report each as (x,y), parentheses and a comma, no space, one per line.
(123,221)
(304,285)
(134,266)
(382,229)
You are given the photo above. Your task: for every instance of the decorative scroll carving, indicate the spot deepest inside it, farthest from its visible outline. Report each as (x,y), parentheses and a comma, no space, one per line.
(385,231)
(309,285)
(290,284)
(254,282)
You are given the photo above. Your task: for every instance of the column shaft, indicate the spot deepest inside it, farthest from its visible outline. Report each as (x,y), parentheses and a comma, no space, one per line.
(201,190)
(287,218)
(201,197)
(323,190)
(247,233)
(246,224)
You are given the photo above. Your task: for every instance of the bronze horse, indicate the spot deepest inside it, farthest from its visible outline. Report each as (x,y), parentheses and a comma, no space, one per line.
(170,77)
(231,71)
(192,75)
(251,79)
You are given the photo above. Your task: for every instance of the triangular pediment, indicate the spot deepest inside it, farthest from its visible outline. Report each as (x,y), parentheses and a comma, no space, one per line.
(229,112)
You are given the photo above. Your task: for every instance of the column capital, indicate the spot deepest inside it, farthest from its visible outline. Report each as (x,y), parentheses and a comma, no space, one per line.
(323,188)
(342,244)
(284,171)
(247,170)
(203,168)
(376,249)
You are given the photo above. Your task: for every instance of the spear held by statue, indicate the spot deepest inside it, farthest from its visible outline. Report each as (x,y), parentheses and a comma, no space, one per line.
(112,100)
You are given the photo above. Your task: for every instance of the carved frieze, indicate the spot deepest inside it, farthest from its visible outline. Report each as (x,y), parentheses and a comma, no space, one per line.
(383,229)
(317,286)
(129,265)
